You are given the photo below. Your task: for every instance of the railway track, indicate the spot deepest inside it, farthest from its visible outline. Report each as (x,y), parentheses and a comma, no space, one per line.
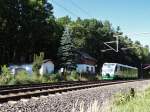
(16,92)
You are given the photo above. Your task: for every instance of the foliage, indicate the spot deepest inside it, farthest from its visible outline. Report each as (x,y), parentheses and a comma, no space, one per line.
(56,77)
(87,76)
(27,27)
(66,50)
(5,71)
(123,98)
(22,78)
(38,60)
(99,77)
(140,103)
(5,77)
(74,76)
(82,107)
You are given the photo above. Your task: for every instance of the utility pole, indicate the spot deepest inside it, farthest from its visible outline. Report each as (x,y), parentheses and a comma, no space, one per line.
(110,48)
(117,43)
(112,42)
(141,71)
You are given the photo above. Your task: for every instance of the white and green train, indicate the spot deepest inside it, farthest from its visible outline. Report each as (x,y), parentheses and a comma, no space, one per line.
(118,71)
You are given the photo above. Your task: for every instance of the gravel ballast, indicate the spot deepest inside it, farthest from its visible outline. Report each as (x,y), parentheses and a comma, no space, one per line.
(65,102)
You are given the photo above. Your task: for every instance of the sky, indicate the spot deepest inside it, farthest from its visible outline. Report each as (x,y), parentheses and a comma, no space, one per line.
(133,16)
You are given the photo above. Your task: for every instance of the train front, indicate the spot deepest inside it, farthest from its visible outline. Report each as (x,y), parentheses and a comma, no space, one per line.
(108,71)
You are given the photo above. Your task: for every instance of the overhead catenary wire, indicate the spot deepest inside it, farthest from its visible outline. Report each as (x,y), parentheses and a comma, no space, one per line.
(117,45)
(143,33)
(81,9)
(67,10)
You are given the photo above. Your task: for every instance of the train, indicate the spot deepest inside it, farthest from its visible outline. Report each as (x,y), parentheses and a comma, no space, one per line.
(112,71)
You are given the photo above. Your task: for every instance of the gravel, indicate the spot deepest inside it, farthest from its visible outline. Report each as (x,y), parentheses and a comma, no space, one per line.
(65,102)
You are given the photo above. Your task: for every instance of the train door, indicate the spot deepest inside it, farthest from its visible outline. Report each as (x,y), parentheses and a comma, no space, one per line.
(117,68)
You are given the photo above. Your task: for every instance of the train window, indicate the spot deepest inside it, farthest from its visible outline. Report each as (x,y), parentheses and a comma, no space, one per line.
(116,68)
(121,68)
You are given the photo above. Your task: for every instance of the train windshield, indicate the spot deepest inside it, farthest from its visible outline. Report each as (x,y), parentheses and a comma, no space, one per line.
(108,67)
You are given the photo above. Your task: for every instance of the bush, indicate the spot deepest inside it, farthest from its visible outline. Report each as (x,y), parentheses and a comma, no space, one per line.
(87,77)
(56,77)
(13,81)
(6,76)
(74,76)
(139,103)
(123,98)
(37,62)
(98,77)
(22,77)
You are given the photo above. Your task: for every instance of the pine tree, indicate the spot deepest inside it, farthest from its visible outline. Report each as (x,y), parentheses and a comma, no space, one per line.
(66,50)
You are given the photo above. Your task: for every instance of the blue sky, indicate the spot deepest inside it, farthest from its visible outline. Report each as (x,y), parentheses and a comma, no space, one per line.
(133,16)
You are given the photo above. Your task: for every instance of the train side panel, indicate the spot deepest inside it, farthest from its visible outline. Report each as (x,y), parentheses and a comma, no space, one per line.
(118,71)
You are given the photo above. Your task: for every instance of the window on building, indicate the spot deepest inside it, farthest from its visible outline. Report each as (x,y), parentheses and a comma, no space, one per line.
(92,69)
(87,69)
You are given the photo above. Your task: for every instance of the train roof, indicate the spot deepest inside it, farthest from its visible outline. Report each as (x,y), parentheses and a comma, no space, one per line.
(122,65)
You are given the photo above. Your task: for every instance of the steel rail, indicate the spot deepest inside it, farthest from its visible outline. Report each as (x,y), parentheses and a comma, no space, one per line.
(45,91)
(46,86)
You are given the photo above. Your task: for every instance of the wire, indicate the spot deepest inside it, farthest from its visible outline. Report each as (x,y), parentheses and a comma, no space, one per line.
(144,33)
(67,10)
(81,9)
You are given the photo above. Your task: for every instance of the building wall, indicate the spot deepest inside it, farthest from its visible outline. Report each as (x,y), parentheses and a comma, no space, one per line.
(47,68)
(85,68)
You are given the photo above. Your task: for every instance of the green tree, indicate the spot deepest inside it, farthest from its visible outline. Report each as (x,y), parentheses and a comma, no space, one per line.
(66,50)
(27,27)
(64,20)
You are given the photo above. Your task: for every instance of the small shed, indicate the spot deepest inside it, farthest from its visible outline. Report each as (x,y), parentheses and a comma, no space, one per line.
(47,67)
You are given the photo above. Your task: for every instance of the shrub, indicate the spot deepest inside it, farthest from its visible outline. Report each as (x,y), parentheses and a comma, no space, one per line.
(87,76)
(13,81)
(81,106)
(99,77)
(22,77)
(73,76)
(56,77)
(123,98)
(37,63)
(6,76)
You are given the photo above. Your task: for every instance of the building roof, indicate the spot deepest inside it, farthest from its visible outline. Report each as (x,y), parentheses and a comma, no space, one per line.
(86,55)
(147,67)
(46,60)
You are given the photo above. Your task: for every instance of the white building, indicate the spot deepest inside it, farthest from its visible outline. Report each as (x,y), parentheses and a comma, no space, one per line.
(86,63)
(85,68)
(47,67)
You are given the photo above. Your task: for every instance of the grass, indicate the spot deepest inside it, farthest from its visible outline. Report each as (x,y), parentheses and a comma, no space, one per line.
(126,103)
(122,102)
(6,78)
(81,107)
